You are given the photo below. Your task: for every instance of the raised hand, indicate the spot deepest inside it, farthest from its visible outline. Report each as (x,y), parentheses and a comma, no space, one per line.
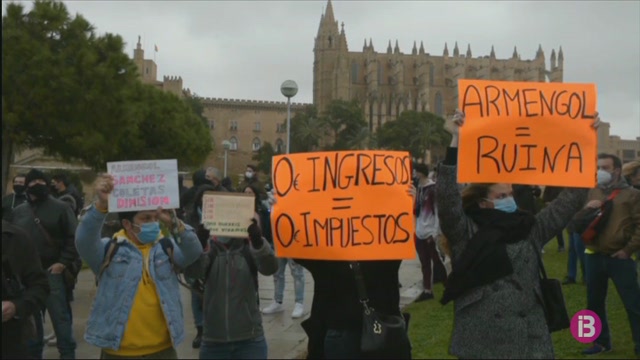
(255,234)
(412,191)
(104,187)
(596,120)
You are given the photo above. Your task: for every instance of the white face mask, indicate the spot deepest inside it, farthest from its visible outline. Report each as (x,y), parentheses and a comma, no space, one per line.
(248,174)
(604,177)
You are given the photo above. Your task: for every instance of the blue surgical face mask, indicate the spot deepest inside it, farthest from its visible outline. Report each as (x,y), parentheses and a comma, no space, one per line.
(507,205)
(604,177)
(148,232)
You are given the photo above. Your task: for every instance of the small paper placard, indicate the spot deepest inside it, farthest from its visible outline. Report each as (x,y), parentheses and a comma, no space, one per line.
(227,214)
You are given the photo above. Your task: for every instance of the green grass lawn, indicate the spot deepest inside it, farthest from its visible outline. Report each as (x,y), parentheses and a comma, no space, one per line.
(431,323)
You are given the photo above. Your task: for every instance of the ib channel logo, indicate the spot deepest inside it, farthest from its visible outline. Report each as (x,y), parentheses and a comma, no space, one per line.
(586,326)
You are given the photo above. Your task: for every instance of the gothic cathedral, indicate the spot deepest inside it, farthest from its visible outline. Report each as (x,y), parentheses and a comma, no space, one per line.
(388,83)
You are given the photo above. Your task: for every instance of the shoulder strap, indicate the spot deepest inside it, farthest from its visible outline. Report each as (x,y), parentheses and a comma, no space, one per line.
(543,272)
(613,194)
(109,252)
(362,290)
(44,231)
(167,247)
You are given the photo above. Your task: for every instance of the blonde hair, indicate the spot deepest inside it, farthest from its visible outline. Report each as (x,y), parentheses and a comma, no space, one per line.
(631,168)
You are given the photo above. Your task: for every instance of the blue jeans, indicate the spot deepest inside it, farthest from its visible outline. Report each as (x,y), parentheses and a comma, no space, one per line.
(576,253)
(59,311)
(297,272)
(599,269)
(245,349)
(196,308)
(35,345)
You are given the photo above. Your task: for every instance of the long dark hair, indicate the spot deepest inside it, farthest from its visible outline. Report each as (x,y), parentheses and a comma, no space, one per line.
(257,205)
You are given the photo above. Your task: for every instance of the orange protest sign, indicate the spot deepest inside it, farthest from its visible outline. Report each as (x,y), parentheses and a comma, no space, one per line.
(527,133)
(345,205)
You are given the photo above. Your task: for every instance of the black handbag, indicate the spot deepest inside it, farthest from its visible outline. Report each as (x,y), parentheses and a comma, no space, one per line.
(553,302)
(379,331)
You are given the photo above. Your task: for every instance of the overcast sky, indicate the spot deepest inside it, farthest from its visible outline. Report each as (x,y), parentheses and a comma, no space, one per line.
(245,50)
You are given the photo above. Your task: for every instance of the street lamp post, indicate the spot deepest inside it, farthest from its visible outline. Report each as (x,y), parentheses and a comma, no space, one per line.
(289,89)
(226,145)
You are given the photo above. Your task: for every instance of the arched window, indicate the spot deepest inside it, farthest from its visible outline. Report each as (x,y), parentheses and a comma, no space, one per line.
(330,42)
(432,74)
(234,143)
(279,146)
(438,104)
(354,72)
(256,144)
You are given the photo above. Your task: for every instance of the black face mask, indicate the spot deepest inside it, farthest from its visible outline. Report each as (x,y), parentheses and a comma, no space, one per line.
(18,189)
(39,191)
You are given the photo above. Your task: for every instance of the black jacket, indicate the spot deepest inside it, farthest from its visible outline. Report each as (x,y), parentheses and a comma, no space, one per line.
(10,202)
(24,283)
(335,303)
(59,221)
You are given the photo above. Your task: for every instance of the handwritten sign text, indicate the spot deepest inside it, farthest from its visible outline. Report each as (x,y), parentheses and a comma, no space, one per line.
(346,205)
(527,133)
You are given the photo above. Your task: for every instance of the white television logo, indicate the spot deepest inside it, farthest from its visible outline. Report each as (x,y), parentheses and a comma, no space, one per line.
(586,322)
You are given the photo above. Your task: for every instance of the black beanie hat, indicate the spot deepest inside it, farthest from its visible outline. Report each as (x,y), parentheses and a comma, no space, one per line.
(35,174)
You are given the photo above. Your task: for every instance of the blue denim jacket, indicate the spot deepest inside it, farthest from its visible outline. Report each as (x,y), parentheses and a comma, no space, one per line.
(119,282)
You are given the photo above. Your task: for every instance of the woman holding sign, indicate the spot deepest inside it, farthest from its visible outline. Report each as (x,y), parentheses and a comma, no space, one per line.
(495,281)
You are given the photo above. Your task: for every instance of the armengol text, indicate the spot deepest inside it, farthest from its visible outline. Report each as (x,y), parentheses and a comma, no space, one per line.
(532,133)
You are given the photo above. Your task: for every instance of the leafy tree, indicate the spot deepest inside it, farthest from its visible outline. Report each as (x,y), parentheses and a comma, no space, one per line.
(263,157)
(168,128)
(77,95)
(344,121)
(195,104)
(306,130)
(64,87)
(414,132)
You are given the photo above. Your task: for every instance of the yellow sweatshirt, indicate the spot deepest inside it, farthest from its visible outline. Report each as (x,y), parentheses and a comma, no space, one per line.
(146,331)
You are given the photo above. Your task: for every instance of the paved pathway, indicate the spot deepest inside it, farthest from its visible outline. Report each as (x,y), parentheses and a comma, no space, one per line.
(284,335)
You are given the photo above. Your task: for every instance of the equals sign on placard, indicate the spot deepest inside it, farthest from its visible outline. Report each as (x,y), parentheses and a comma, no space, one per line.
(340,201)
(523,131)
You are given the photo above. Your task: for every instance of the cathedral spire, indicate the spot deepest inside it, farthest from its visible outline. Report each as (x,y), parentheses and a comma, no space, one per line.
(468,50)
(456,51)
(553,59)
(446,50)
(515,52)
(397,48)
(560,55)
(364,47)
(414,51)
(389,49)
(493,53)
(328,12)
(370,44)
(421,48)
(540,53)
